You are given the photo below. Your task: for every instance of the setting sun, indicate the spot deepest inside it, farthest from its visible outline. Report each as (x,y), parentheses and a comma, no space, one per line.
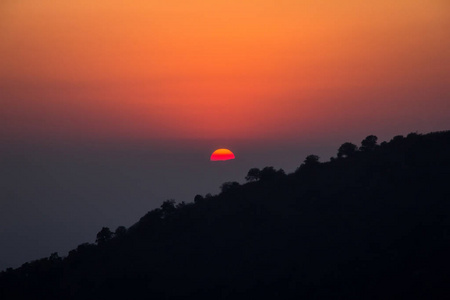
(222,154)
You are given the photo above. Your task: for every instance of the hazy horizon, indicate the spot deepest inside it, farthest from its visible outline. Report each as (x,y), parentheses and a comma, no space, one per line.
(58,196)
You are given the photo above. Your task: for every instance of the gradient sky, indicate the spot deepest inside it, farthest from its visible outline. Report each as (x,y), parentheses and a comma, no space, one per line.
(109,107)
(222,69)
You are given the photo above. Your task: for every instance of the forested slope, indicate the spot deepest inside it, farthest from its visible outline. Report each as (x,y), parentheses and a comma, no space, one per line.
(373,223)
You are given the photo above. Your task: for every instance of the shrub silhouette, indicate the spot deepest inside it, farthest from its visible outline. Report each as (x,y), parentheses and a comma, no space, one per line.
(310,162)
(346,150)
(269,173)
(229,186)
(369,143)
(198,199)
(104,235)
(168,207)
(253,174)
(120,231)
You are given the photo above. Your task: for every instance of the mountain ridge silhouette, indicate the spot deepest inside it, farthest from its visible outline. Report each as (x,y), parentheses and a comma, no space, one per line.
(372,223)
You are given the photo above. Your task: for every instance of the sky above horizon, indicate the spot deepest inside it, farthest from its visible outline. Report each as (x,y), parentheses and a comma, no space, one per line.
(107,108)
(249,70)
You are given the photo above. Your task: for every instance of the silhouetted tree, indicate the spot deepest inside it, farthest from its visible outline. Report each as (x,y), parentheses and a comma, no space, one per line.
(198,199)
(54,257)
(346,150)
(228,186)
(152,216)
(369,143)
(180,205)
(253,174)
(397,138)
(120,231)
(103,235)
(310,162)
(168,207)
(412,135)
(87,247)
(269,173)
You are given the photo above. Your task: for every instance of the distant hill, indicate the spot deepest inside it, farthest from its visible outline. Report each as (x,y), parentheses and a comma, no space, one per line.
(372,223)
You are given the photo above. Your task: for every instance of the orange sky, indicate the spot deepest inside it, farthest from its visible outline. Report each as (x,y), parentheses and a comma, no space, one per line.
(222,69)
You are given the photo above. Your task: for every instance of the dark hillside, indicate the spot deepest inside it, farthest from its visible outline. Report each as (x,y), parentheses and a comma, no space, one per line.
(373,223)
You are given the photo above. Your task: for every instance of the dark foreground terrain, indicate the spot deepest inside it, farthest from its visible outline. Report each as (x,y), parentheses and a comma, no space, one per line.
(373,223)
